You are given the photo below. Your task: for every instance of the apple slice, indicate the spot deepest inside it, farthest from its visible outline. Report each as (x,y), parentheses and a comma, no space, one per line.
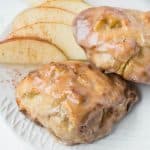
(29,51)
(34,15)
(59,34)
(74,6)
(35,2)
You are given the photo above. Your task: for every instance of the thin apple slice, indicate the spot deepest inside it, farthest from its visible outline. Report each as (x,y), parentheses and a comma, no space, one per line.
(74,6)
(35,2)
(48,14)
(59,34)
(29,51)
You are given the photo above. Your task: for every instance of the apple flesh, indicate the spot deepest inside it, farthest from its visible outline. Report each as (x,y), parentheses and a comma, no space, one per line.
(59,34)
(74,6)
(35,15)
(29,51)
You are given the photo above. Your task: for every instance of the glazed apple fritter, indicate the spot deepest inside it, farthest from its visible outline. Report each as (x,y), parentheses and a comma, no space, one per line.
(75,102)
(116,40)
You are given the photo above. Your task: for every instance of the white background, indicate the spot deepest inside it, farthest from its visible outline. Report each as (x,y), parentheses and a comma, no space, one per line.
(139,134)
(8,139)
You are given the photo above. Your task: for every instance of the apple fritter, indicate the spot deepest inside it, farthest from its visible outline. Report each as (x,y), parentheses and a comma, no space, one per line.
(75,102)
(116,40)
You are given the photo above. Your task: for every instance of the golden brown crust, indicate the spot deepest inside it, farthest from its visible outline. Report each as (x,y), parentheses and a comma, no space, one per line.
(112,37)
(74,101)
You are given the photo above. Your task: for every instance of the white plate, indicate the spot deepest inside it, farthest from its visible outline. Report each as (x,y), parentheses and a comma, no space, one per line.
(132,133)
